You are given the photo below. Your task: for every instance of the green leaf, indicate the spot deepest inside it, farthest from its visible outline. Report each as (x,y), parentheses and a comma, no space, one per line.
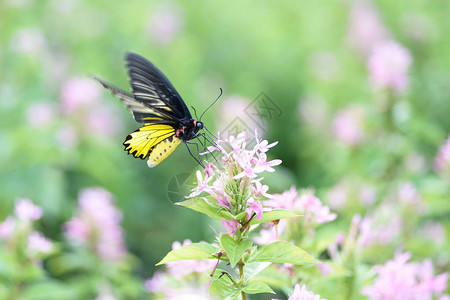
(254,268)
(284,252)
(234,250)
(192,251)
(202,205)
(275,214)
(258,287)
(223,288)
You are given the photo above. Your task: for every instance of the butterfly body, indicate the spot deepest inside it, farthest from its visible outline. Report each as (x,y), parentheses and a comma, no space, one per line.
(155,103)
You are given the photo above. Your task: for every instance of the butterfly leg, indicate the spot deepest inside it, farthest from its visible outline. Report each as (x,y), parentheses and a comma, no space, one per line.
(204,145)
(196,159)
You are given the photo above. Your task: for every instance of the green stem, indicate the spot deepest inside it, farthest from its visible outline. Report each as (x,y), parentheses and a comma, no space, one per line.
(241,275)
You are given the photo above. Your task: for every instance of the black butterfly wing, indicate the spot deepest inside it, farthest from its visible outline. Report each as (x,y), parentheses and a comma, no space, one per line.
(152,89)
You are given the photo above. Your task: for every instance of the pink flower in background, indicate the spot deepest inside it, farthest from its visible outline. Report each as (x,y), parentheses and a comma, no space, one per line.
(287,200)
(337,196)
(442,159)
(365,27)
(165,22)
(388,65)
(97,223)
(78,94)
(409,196)
(271,233)
(237,114)
(25,210)
(39,243)
(381,227)
(348,125)
(308,205)
(7,228)
(315,212)
(40,114)
(433,231)
(398,279)
(300,293)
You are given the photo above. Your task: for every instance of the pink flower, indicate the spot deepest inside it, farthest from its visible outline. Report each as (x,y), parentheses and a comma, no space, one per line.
(231,226)
(325,269)
(78,94)
(202,185)
(300,293)
(337,197)
(260,189)
(7,228)
(97,223)
(286,200)
(365,27)
(223,201)
(398,279)
(39,243)
(27,211)
(254,206)
(433,231)
(409,196)
(315,211)
(348,125)
(388,65)
(271,233)
(442,160)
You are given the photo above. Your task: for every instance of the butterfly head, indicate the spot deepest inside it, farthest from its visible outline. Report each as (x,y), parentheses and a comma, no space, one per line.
(198,125)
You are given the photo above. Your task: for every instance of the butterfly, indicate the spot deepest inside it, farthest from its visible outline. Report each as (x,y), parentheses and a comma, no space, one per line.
(155,103)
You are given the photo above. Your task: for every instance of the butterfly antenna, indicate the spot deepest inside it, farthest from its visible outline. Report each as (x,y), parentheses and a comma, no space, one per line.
(221,92)
(195,112)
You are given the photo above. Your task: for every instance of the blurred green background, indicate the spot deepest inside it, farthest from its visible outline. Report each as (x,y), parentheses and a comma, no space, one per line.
(61,132)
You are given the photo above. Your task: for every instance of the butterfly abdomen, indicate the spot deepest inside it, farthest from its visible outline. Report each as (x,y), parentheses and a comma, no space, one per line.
(162,150)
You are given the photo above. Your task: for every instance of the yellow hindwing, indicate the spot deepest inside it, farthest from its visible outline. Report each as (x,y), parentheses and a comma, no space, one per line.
(162,150)
(142,142)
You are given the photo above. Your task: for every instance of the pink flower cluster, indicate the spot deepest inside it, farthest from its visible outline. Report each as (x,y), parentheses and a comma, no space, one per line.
(348,125)
(388,61)
(235,184)
(442,160)
(308,205)
(300,293)
(97,224)
(398,279)
(176,280)
(26,212)
(388,66)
